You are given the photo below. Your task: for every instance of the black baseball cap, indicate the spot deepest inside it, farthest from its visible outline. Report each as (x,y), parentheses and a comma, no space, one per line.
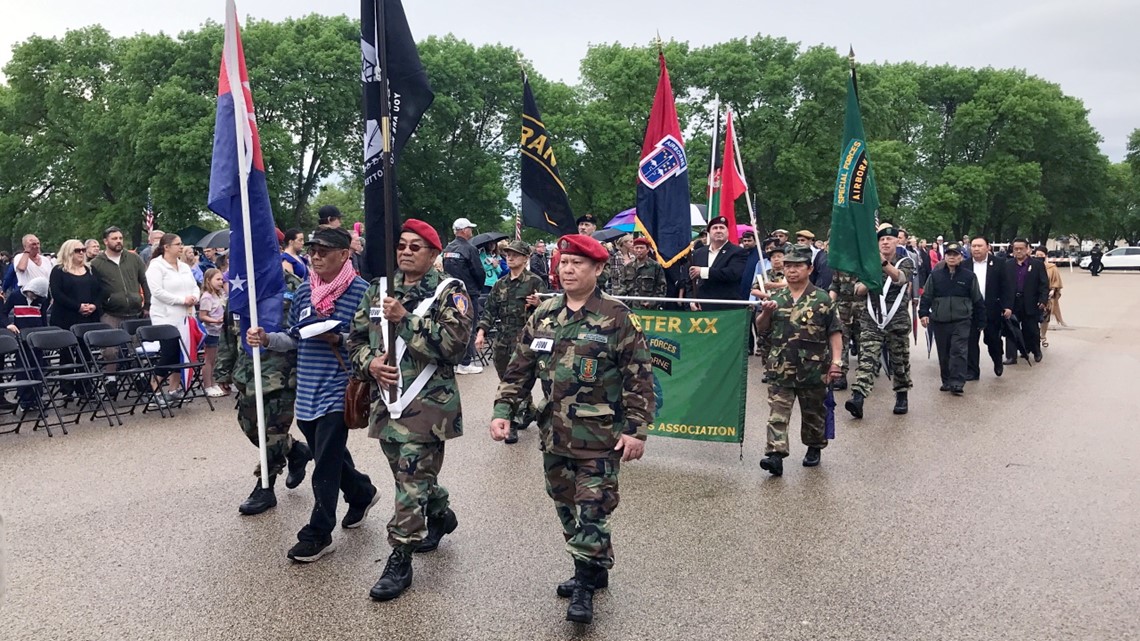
(327,213)
(333,238)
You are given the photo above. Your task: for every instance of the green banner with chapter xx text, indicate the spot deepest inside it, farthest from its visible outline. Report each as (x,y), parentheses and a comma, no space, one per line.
(700,372)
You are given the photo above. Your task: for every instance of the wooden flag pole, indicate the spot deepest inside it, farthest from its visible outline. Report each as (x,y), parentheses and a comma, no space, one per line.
(390,228)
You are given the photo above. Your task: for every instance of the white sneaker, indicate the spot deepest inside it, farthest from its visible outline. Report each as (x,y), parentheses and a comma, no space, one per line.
(215,392)
(468,369)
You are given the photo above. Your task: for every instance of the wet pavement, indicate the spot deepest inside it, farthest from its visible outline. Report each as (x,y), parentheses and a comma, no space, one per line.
(1010,513)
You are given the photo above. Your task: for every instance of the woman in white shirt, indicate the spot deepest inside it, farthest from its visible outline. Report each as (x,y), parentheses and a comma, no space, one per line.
(173,292)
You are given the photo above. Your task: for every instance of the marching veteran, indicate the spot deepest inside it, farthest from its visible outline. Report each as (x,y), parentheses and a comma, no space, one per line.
(433,317)
(590,355)
(509,304)
(806,339)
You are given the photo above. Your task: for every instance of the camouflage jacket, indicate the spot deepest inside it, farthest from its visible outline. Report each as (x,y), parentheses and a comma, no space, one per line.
(439,337)
(506,306)
(774,275)
(234,365)
(843,284)
(594,368)
(900,322)
(642,279)
(800,335)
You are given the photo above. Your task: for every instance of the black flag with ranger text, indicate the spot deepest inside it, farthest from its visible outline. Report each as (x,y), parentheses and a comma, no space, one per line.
(383,24)
(544,202)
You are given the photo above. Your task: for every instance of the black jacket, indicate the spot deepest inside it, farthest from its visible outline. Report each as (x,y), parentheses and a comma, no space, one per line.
(724,275)
(820,271)
(1036,289)
(461,260)
(951,297)
(996,296)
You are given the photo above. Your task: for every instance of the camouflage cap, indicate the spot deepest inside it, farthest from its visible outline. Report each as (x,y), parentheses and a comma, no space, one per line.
(519,247)
(797,254)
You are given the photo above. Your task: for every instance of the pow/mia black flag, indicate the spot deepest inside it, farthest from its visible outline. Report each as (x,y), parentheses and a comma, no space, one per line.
(398,69)
(544,202)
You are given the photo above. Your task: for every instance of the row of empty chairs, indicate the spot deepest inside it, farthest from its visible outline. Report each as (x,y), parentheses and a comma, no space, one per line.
(93,370)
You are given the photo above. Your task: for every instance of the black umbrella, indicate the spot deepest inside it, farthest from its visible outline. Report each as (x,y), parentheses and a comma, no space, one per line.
(216,239)
(1014,333)
(488,237)
(606,235)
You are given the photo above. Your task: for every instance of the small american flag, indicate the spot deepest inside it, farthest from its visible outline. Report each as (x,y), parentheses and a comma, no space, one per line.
(148,214)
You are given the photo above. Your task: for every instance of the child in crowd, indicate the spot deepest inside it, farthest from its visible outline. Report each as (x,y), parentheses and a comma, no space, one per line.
(211,312)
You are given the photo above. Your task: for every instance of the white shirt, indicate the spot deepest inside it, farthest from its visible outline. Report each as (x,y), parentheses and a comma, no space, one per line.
(43,270)
(980,269)
(169,287)
(713,253)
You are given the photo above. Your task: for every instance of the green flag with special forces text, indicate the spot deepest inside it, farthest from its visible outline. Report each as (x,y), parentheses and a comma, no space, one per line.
(544,202)
(700,372)
(854,246)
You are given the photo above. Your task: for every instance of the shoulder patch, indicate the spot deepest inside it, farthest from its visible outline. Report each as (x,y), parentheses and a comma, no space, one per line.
(635,322)
(461,302)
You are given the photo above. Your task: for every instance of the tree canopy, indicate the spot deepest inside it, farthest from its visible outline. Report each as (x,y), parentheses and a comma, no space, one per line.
(89,124)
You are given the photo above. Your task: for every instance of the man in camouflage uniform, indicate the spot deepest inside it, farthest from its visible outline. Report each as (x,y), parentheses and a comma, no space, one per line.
(642,277)
(433,318)
(850,308)
(590,355)
(279,391)
(773,282)
(890,329)
(509,304)
(806,335)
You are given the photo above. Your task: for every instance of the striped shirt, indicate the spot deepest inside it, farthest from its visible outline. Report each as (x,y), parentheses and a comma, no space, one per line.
(321,380)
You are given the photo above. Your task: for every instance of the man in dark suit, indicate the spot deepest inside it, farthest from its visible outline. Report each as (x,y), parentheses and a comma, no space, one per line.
(1028,288)
(820,270)
(990,272)
(717,268)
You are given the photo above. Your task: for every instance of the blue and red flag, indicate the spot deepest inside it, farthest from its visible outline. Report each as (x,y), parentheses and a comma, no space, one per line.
(194,338)
(234,125)
(663,177)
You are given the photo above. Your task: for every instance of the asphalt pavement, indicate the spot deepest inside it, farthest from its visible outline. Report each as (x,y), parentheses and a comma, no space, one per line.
(1009,513)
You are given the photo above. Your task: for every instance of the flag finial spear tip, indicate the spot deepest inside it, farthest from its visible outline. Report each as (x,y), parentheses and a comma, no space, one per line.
(658,42)
(851,55)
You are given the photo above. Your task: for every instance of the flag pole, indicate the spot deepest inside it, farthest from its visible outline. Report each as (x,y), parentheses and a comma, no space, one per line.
(712,159)
(739,162)
(389,186)
(518,214)
(237,90)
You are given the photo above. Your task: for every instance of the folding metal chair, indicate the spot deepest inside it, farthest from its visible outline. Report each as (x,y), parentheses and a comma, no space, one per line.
(167,336)
(131,326)
(15,376)
(113,353)
(90,385)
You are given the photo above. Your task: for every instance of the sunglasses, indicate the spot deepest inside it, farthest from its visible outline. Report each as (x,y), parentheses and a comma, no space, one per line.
(79,250)
(415,247)
(320,251)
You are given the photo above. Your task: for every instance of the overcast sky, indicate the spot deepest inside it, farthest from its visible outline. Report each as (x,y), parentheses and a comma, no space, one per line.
(1086,46)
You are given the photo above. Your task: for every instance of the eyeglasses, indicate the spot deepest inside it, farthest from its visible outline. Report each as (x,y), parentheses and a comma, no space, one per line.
(321,252)
(79,250)
(415,247)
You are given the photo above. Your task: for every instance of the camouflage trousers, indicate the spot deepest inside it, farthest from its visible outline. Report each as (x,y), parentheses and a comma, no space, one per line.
(585,493)
(278,421)
(419,496)
(812,415)
(849,313)
(501,357)
(896,339)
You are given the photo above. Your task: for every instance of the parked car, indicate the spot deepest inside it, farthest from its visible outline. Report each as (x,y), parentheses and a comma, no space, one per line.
(1119,258)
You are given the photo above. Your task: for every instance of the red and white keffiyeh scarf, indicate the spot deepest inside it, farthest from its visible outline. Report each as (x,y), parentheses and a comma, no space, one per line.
(324,294)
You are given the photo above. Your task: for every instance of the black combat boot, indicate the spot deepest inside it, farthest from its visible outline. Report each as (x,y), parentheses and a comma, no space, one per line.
(438,526)
(581,608)
(900,403)
(566,588)
(396,578)
(299,456)
(260,499)
(773,464)
(812,457)
(855,404)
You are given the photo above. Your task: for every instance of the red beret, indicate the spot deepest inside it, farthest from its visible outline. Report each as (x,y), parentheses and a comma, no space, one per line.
(280,236)
(423,230)
(641,240)
(581,245)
